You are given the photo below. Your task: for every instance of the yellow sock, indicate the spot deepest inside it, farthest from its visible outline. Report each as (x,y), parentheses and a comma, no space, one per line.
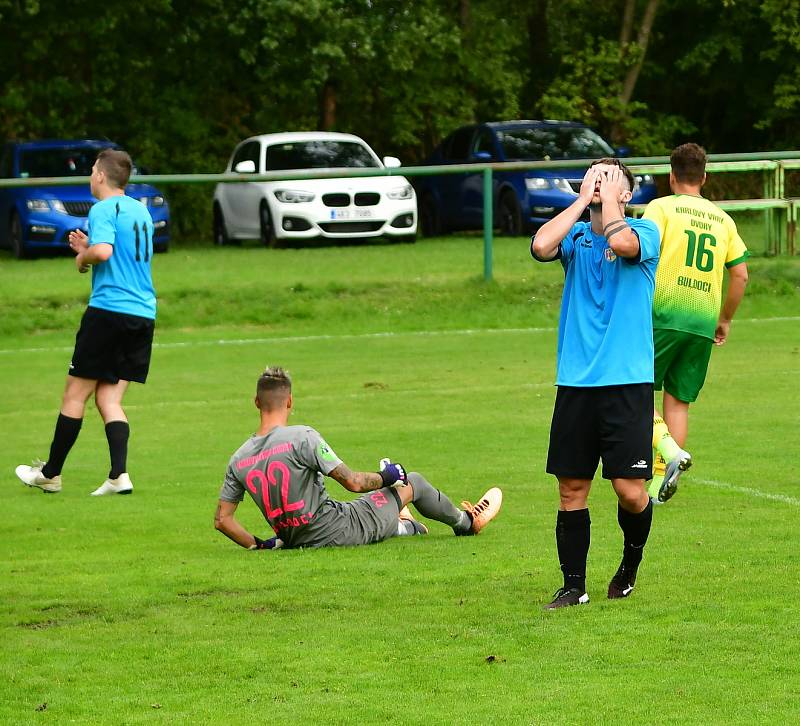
(663,442)
(659,469)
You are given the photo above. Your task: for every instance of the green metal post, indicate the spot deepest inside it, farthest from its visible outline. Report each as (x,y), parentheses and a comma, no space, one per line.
(488,223)
(768,226)
(783,215)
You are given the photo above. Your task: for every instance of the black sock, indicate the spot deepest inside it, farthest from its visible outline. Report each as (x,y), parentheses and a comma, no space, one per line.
(64,437)
(635,529)
(572,540)
(117,433)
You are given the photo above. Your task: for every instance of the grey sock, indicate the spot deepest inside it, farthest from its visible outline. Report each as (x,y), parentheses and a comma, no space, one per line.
(431,503)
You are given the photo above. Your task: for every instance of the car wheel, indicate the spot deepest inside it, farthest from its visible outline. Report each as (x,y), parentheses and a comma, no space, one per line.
(15,237)
(509,217)
(220,232)
(429,219)
(268,238)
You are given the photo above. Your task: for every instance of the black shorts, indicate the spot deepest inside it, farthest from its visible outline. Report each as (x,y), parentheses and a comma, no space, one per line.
(112,347)
(612,423)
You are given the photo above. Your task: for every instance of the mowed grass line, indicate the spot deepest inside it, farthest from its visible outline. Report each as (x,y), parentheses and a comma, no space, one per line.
(134,610)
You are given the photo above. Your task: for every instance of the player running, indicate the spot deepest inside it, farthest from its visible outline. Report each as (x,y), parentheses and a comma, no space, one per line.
(698,242)
(283,468)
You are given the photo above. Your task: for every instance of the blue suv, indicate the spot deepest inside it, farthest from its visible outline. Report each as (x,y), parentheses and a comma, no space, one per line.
(40,218)
(523,200)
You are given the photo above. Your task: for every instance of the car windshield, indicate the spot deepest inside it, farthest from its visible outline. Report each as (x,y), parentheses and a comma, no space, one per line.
(319,155)
(72,161)
(553,143)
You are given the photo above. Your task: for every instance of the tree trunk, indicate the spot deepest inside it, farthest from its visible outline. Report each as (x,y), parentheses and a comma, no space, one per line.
(539,57)
(627,23)
(327,113)
(642,39)
(463,14)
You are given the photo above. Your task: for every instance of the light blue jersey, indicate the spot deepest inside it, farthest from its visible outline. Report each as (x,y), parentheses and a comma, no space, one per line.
(123,283)
(605,333)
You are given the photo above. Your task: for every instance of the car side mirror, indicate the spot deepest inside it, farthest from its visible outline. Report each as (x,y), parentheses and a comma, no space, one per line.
(248,166)
(623,151)
(391,162)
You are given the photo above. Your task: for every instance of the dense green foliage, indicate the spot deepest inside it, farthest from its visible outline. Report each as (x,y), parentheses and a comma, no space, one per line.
(134,610)
(178,82)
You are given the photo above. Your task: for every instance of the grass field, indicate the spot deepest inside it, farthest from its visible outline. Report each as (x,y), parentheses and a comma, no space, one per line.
(134,610)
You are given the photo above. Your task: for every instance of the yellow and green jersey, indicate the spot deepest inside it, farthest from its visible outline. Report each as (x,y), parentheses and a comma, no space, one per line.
(698,240)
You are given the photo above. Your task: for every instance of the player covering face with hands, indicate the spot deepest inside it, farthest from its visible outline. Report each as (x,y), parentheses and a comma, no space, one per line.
(604,402)
(282,468)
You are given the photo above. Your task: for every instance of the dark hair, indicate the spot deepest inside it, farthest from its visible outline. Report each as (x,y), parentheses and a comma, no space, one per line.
(116,164)
(273,388)
(688,163)
(616,162)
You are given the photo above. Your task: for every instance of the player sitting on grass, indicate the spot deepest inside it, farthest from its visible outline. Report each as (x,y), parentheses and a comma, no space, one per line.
(283,468)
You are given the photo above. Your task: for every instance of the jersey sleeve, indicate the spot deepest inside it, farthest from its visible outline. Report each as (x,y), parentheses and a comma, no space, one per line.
(316,454)
(101,225)
(232,489)
(566,250)
(737,250)
(654,211)
(649,239)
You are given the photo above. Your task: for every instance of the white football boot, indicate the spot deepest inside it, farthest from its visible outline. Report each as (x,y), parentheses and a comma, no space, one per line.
(31,476)
(121,485)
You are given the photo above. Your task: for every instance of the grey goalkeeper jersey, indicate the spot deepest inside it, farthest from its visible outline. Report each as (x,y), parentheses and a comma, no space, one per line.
(284,474)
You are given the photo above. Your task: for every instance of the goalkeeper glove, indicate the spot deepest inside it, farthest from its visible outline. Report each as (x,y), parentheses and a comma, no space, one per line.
(273,543)
(392,473)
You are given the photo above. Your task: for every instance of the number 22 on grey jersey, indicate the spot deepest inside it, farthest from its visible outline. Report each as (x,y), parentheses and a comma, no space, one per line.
(284,472)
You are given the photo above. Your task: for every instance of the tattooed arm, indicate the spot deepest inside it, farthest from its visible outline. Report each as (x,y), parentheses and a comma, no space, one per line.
(356,481)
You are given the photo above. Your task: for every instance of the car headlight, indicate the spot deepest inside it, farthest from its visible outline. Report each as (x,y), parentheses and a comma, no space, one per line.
(38,205)
(58,206)
(156,201)
(563,185)
(404,192)
(292,196)
(536,183)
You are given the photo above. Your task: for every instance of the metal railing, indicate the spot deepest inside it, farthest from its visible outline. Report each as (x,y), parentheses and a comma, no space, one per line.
(781,213)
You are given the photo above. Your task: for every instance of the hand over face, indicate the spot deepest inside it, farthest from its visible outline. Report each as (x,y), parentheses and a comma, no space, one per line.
(612,184)
(589,185)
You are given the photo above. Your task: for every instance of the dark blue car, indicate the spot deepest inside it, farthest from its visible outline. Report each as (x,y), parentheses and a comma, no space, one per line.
(523,200)
(40,218)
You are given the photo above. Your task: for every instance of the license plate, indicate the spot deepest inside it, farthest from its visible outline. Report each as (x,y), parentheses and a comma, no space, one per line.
(363,213)
(340,214)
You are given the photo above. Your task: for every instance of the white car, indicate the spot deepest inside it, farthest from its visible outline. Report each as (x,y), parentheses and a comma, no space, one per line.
(344,208)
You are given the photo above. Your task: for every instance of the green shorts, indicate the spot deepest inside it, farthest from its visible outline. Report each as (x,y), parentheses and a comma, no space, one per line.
(681,363)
